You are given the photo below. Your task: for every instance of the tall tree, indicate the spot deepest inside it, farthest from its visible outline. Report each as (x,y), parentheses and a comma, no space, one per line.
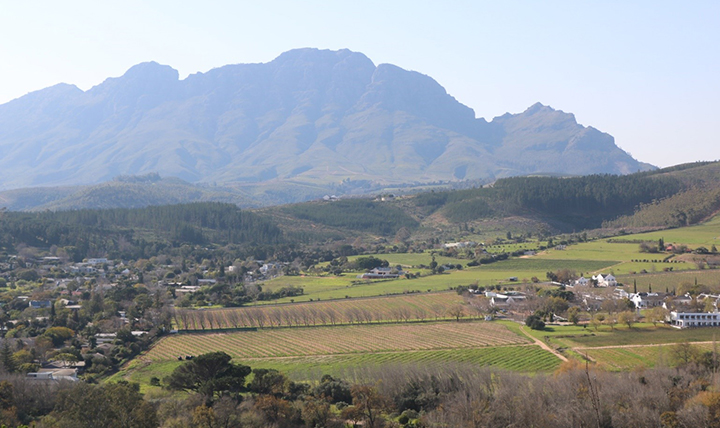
(210,374)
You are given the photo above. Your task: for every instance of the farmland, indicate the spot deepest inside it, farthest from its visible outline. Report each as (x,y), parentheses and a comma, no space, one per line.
(348,311)
(519,358)
(307,341)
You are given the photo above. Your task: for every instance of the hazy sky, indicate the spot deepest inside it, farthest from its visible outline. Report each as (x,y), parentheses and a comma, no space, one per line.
(647,72)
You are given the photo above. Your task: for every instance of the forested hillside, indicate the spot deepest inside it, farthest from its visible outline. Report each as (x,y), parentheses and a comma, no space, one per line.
(124,231)
(677,196)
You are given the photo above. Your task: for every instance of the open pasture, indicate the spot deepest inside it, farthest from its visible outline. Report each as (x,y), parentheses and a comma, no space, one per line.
(535,265)
(307,341)
(404,307)
(632,357)
(706,234)
(598,250)
(662,280)
(326,288)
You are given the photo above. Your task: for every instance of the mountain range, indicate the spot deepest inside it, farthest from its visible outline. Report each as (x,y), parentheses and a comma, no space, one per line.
(316,118)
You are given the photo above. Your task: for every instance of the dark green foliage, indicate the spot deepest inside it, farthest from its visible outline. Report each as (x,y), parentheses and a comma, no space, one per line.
(534,322)
(209,374)
(585,195)
(333,390)
(82,231)
(356,214)
(267,381)
(370,262)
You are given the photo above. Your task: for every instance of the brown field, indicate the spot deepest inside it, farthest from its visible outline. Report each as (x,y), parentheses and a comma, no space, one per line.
(351,311)
(302,341)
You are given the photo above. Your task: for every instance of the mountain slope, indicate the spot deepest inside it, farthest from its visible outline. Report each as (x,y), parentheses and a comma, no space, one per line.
(310,116)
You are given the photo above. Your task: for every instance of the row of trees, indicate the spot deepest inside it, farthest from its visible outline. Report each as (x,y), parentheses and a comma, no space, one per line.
(315,314)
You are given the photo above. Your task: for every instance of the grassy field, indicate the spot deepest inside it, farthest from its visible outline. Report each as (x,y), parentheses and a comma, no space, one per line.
(414,260)
(706,235)
(628,358)
(537,264)
(329,287)
(668,280)
(305,341)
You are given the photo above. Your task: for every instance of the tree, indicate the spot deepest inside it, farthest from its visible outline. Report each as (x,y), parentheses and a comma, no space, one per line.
(683,354)
(627,317)
(534,322)
(209,374)
(456,312)
(656,315)
(574,315)
(113,405)
(6,357)
(597,320)
(369,403)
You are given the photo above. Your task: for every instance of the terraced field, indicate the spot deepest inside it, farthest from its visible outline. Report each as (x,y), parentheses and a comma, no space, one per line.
(350,311)
(289,342)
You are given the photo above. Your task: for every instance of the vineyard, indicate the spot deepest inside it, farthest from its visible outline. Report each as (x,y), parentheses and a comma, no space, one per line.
(529,359)
(302,341)
(410,307)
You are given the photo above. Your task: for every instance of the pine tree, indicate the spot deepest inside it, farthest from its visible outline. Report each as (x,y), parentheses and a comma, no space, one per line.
(6,357)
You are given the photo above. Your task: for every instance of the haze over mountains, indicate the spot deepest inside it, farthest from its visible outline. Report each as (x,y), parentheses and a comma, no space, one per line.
(308,118)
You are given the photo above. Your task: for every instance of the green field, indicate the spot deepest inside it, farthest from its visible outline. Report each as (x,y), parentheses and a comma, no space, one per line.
(629,358)
(330,287)
(706,234)
(669,280)
(537,264)
(526,359)
(413,260)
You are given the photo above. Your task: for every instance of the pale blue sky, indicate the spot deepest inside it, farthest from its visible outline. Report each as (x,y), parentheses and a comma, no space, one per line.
(647,72)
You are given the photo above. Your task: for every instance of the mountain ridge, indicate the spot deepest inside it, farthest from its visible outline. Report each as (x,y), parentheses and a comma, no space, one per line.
(316,117)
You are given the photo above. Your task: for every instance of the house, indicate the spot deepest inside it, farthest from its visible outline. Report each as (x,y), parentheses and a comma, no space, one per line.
(507,298)
(97,261)
(679,303)
(39,304)
(605,280)
(207,281)
(464,244)
(694,319)
(187,289)
(267,267)
(382,273)
(647,300)
(620,294)
(582,281)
